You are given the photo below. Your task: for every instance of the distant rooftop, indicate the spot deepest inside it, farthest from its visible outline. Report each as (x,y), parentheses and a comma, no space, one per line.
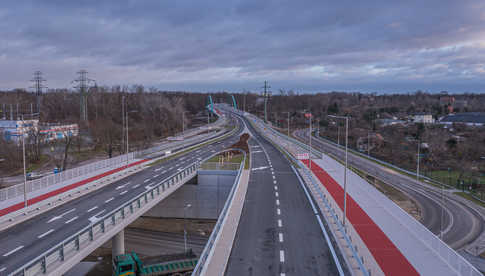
(468,117)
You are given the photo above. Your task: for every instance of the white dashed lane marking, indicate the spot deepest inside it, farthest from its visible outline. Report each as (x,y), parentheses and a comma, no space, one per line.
(278,211)
(280,224)
(124,192)
(281,237)
(282,256)
(109,200)
(13,251)
(71,220)
(45,234)
(92,209)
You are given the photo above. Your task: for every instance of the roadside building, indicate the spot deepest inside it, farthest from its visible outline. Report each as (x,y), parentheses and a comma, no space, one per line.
(51,132)
(423,118)
(468,118)
(12,130)
(389,122)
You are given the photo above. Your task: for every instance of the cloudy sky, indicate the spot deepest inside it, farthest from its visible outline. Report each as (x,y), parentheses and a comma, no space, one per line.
(369,46)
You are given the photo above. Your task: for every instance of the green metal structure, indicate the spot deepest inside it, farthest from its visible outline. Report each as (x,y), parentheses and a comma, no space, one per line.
(177,264)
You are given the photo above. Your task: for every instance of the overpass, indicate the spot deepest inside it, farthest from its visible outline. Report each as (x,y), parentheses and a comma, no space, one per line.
(52,240)
(462,224)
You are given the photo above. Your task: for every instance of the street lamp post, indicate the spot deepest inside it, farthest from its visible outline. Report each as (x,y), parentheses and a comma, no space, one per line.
(25,171)
(346,160)
(127,140)
(417,166)
(288,123)
(183,122)
(187,206)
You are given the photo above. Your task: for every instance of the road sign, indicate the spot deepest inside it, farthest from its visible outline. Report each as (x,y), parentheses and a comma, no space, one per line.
(302,156)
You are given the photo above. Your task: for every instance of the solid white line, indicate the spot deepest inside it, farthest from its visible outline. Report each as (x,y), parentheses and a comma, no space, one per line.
(122,193)
(278,211)
(45,234)
(92,209)
(109,200)
(276,194)
(282,256)
(13,251)
(71,220)
(281,237)
(277,202)
(280,223)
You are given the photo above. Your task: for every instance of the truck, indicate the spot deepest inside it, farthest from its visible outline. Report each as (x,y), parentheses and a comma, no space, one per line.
(175,264)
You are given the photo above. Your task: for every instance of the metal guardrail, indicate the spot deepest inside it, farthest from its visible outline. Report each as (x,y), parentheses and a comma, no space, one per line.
(220,166)
(384,163)
(452,258)
(68,247)
(53,179)
(332,212)
(69,174)
(215,232)
(302,145)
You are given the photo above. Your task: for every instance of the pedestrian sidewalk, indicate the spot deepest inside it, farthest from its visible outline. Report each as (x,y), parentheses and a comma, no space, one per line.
(399,244)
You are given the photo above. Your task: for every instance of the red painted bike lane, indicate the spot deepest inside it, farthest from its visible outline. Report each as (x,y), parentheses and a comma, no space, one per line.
(386,254)
(34,200)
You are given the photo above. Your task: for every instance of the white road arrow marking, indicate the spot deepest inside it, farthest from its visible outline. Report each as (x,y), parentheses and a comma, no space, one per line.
(61,215)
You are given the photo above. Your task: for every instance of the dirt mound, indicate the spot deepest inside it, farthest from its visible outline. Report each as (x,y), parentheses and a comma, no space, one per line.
(242,144)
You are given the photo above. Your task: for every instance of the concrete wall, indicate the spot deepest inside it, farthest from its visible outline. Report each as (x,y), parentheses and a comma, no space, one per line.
(207,196)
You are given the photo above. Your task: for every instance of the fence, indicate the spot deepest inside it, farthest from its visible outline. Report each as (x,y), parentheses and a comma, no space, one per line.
(452,258)
(215,232)
(116,162)
(48,261)
(53,179)
(220,166)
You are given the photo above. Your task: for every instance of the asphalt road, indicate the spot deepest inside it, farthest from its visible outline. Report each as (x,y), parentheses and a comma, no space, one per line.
(461,224)
(25,241)
(278,233)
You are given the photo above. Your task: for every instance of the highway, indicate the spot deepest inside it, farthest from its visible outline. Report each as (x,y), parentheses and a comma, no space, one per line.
(25,241)
(278,233)
(461,224)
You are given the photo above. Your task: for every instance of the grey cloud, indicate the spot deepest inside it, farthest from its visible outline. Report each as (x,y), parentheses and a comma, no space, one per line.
(403,39)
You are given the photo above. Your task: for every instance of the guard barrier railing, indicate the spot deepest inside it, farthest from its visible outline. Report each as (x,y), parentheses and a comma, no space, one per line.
(215,232)
(46,262)
(455,260)
(17,190)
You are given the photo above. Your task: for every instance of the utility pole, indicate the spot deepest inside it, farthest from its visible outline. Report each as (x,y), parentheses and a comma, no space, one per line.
(417,167)
(346,161)
(38,81)
(368,143)
(83,86)
(266,95)
(288,123)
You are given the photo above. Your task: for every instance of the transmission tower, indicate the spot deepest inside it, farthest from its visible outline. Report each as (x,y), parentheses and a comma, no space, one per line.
(38,81)
(82,84)
(266,95)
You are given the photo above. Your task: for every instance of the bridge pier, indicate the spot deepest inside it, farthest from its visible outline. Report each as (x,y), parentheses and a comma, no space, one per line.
(118,244)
